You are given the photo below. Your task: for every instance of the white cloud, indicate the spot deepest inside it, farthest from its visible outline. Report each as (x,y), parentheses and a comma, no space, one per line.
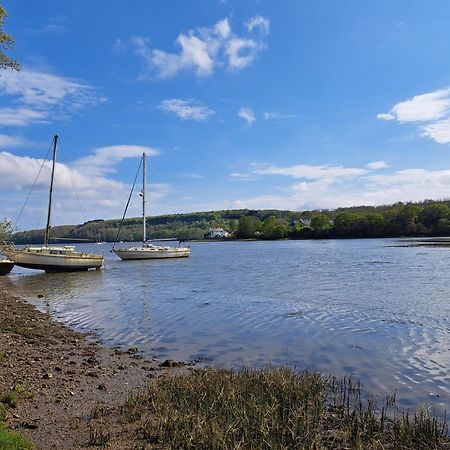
(367,189)
(385,116)
(202,50)
(260,23)
(38,97)
(7,142)
(312,172)
(438,131)
(247,114)
(105,159)
(186,109)
(22,117)
(377,165)
(100,195)
(433,107)
(240,52)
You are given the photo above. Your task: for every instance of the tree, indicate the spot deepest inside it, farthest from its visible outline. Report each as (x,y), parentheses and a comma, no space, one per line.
(5,230)
(6,43)
(273,228)
(248,226)
(430,215)
(346,224)
(320,224)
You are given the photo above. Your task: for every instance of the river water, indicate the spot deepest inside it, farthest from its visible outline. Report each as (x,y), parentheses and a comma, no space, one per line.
(361,307)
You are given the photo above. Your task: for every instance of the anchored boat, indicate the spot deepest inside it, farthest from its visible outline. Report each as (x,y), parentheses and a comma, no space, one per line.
(148,250)
(53,258)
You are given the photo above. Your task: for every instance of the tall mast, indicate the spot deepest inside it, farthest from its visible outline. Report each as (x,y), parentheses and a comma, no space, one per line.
(144,200)
(47,228)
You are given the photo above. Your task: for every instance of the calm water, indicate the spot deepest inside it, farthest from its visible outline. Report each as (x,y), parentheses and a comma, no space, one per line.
(351,306)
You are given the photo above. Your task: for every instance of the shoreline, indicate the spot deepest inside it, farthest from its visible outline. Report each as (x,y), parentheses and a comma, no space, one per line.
(59,375)
(74,393)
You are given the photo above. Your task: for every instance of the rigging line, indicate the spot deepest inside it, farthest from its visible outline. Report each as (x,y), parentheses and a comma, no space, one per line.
(128,203)
(73,185)
(32,187)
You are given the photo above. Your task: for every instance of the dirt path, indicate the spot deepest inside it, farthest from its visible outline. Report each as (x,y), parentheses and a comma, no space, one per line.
(60,375)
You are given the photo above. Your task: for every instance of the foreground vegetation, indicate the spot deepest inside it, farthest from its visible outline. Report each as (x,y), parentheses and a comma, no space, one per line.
(428,218)
(10,440)
(263,409)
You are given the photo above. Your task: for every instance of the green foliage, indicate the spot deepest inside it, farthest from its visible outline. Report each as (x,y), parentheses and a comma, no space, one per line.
(430,215)
(274,228)
(11,440)
(6,44)
(412,219)
(248,227)
(5,230)
(320,224)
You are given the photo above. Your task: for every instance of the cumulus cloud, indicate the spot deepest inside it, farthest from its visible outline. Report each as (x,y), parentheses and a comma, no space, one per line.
(247,114)
(430,111)
(318,192)
(186,109)
(85,180)
(202,50)
(39,97)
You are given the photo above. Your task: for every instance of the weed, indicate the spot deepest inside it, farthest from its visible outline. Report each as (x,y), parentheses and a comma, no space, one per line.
(11,440)
(273,409)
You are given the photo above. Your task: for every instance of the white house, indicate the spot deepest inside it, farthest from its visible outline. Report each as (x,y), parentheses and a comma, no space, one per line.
(216,233)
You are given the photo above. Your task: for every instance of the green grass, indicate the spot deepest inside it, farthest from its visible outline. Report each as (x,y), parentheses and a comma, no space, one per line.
(11,440)
(11,398)
(268,409)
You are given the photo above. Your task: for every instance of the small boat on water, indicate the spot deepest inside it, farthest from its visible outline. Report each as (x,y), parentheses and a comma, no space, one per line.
(5,266)
(52,258)
(148,250)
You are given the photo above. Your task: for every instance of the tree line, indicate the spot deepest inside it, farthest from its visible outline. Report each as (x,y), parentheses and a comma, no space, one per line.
(428,218)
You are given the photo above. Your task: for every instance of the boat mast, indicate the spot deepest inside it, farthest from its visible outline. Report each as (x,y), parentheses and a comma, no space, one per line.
(144,200)
(47,228)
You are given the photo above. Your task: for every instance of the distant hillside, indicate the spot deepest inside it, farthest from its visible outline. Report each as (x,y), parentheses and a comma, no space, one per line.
(428,218)
(180,226)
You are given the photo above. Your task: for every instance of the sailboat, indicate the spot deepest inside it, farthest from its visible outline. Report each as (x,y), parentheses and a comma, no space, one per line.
(53,258)
(148,250)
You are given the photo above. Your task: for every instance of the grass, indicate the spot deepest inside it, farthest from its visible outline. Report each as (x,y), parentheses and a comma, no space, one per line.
(11,440)
(266,409)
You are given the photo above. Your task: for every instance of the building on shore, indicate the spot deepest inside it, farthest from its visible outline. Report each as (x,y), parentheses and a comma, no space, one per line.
(216,233)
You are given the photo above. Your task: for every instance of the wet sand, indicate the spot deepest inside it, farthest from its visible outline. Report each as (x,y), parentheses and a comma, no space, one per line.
(61,375)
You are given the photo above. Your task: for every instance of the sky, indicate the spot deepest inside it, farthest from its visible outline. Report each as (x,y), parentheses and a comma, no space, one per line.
(293,104)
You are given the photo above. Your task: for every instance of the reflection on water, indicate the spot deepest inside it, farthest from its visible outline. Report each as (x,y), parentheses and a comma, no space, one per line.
(354,306)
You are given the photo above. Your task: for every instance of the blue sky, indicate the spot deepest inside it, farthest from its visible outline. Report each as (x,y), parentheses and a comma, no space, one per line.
(259,104)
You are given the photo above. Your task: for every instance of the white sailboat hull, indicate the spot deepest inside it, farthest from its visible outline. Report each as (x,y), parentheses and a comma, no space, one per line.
(152,252)
(54,259)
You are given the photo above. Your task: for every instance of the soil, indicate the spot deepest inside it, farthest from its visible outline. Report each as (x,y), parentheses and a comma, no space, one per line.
(61,375)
